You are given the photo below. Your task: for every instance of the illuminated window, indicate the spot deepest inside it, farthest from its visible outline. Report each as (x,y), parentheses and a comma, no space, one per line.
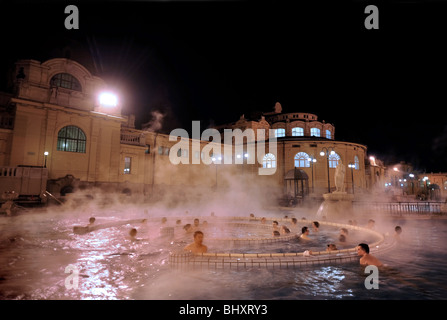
(163,150)
(315,132)
(182,153)
(280,132)
(297,132)
(302,160)
(333,160)
(356,163)
(71,139)
(65,80)
(127,163)
(328,134)
(269,161)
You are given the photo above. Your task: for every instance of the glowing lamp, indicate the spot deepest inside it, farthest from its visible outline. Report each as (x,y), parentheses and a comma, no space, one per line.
(108,99)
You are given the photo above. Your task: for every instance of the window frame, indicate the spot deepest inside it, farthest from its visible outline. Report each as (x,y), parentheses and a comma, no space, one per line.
(129,166)
(283,132)
(65,143)
(315,132)
(334,159)
(302,156)
(298,132)
(269,158)
(66,81)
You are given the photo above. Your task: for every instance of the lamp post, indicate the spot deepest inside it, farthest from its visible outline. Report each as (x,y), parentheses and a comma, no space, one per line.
(45,154)
(312,161)
(411,175)
(327,152)
(352,166)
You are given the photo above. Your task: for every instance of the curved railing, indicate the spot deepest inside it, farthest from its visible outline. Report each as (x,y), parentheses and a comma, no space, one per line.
(181,260)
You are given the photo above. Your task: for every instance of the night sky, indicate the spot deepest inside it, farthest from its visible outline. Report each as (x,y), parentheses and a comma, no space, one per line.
(214,61)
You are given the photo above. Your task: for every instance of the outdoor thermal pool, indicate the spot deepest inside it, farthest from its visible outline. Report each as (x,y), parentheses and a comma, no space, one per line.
(39,251)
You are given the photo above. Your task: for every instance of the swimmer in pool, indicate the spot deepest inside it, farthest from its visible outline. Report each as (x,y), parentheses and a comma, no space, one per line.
(132,235)
(315,226)
(197,246)
(196,224)
(284,230)
(371,223)
(188,228)
(366,258)
(275,225)
(397,232)
(305,233)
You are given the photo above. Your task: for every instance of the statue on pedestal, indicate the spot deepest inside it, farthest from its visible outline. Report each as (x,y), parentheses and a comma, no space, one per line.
(340,172)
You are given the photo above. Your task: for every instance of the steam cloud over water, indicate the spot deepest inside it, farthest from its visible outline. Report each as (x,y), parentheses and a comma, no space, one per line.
(37,246)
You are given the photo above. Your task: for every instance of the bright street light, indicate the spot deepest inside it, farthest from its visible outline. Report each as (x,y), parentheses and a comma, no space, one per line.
(108,99)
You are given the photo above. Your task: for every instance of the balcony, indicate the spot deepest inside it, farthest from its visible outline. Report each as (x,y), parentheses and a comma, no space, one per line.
(135,139)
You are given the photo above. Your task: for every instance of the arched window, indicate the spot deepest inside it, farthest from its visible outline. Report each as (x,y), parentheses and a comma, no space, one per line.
(65,80)
(333,160)
(356,163)
(297,132)
(328,134)
(302,160)
(315,132)
(269,161)
(280,132)
(72,139)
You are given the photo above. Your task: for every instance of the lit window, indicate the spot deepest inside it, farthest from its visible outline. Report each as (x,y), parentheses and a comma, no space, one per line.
(328,134)
(182,153)
(333,160)
(71,139)
(356,163)
(280,132)
(297,132)
(269,161)
(127,163)
(315,132)
(65,80)
(302,160)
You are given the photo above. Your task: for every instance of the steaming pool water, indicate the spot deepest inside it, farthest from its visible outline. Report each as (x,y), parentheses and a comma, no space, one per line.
(37,247)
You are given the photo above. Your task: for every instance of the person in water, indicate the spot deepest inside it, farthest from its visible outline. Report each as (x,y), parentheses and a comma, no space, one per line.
(397,232)
(132,235)
(305,233)
(197,246)
(366,258)
(315,226)
(188,228)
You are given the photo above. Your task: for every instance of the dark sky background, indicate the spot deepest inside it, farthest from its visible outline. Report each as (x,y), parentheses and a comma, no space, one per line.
(214,61)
